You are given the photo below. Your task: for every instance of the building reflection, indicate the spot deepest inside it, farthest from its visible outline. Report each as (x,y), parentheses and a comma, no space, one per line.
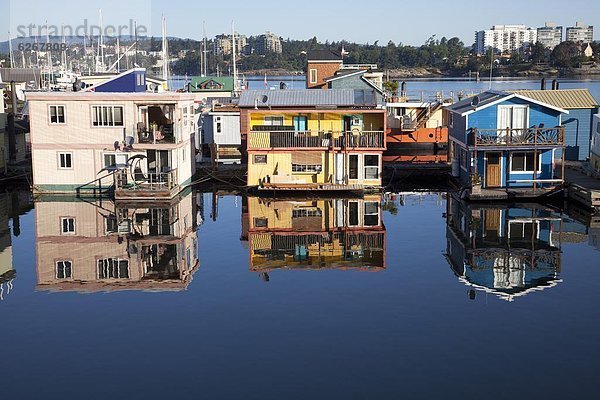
(509,251)
(314,234)
(13,204)
(92,246)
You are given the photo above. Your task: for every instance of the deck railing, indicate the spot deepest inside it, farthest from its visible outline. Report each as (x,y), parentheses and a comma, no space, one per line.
(313,139)
(146,182)
(518,137)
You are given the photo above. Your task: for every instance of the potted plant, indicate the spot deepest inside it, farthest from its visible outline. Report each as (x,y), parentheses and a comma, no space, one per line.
(476,183)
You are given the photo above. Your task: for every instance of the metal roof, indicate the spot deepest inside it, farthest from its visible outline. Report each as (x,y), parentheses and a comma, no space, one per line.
(323,55)
(475,102)
(303,98)
(563,98)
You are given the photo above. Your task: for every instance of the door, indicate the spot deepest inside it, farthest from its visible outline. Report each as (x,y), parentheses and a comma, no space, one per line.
(493,170)
(353,166)
(300,124)
(347,124)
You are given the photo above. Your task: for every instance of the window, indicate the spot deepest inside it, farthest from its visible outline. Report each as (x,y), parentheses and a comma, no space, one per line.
(371,213)
(115,160)
(57,114)
(315,169)
(67,225)
(273,121)
(113,268)
(260,159)
(218,127)
(353,166)
(313,76)
(306,212)
(107,116)
(64,269)
(523,230)
(353,213)
(110,160)
(513,117)
(65,160)
(185,116)
(451,120)
(261,223)
(524,162)
(111,224)
(371,164)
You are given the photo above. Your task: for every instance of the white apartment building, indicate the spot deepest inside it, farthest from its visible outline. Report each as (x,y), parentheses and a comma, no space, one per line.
(224,44)
(580,33)
(550,35)
(268,43)
(505,38)
(138,145)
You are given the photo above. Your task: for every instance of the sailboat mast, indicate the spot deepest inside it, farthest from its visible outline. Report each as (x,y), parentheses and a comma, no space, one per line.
(101,43)
(233,55)
(118,53)
(165,52)
(10,50)
(205,49)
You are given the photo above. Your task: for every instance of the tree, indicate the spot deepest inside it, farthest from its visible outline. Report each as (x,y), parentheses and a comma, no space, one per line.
(564,55)
(538,53)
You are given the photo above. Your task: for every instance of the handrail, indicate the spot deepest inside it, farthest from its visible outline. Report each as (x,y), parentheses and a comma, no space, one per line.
(518,137)
(316,139)
(157,181)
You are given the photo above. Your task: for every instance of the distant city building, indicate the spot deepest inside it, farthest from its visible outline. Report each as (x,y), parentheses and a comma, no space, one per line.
(268,43)
(550,35)
(505,38)
(580,33)
(224,44)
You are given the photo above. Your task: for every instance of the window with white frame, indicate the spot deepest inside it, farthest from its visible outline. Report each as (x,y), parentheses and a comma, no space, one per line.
(371,216)
(113,268)
(67,225)
(523,230)
(57,114)
(65,160)
(513,117)
(313,76)
(313,168)
(115,160)
(111,224)
(107,116)
(371,166)
(64,269)
(273,120)
(525,162)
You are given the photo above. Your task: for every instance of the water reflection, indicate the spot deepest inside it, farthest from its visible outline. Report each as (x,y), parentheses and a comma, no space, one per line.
(314,234)
(12,205)
(509,251)
(99,245)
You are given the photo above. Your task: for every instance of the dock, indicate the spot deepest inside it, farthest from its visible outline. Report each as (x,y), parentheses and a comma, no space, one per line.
(582,185)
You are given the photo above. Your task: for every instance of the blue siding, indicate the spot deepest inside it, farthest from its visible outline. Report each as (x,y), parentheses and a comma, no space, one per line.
(459,128)
(488,117)
(577,141)
(509,181)
(126,83)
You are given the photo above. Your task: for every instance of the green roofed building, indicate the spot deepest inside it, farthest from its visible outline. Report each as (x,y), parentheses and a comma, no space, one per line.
(210,86)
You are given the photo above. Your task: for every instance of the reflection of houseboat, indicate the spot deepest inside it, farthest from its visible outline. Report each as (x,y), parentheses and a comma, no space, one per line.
(316,234)
(416,129)
(507,251)
(313,139)
(138,144)
(105,246)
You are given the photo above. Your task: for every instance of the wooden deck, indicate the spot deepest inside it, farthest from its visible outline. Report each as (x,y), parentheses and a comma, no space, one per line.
(512,193)
(582,185)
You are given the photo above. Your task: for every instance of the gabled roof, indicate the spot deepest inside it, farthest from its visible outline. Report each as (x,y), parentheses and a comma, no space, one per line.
(301,98)
(196,82)
(491,97)
(361,73)
(563,98)
(323,55)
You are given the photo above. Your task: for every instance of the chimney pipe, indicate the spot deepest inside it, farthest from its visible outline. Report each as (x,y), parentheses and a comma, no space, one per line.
(403,89)
(543,84)
(12,133)
(555,84)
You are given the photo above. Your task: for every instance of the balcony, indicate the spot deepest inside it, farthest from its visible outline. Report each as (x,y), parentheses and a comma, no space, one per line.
(146,186)
(316,140)
(529,137)
(156,134)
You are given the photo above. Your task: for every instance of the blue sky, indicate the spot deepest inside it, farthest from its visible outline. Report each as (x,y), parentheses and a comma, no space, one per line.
(409,22)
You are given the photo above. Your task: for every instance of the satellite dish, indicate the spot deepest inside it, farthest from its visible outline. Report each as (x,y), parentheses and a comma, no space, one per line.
(475,101)
(265,99)
(129,140)
(116,145)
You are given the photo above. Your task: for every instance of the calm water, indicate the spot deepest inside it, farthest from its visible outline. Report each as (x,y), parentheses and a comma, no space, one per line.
(406,295)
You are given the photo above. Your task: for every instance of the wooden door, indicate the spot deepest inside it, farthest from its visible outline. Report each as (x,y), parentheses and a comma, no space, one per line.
(493,171)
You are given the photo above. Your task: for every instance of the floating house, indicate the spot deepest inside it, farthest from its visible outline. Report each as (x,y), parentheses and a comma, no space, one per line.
(595,146)
(506,251)
(344,234)
(132,80)
(313,139)
(106,246)
(507,144)
(133,145)
(219,133)
(578,124)
(204,87)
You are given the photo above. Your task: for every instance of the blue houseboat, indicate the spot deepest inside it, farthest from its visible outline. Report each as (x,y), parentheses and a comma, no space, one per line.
(504,145)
